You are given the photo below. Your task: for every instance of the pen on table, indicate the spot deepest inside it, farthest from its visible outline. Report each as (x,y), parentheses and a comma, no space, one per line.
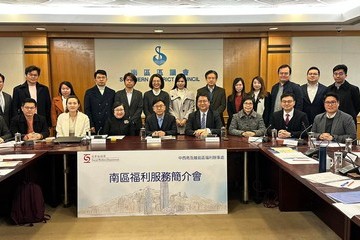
(344,184)
(350,183)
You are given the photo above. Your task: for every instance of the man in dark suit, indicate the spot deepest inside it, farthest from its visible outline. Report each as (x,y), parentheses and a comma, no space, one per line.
(132,100)
(333,124)
(32,126)
(285,86)
(203,121)
(160,123)
(98,102)
(33,89)
(216,94)
(349,96)
(5,102)
(289,121)
(313,94)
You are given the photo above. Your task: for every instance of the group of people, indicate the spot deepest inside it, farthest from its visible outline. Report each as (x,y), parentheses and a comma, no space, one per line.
(289,108)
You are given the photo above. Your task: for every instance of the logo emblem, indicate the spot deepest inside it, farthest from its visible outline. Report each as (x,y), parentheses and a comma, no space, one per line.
(160,58)
(87,158)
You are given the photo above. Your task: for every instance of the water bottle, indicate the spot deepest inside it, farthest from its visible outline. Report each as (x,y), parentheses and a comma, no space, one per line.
(223,133)
(273,135)
(17,139)
(142,134)
(322,158)
(338,157)
(348,144)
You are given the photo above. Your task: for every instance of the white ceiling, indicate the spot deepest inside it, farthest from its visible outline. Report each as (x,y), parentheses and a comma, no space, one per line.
(179,16)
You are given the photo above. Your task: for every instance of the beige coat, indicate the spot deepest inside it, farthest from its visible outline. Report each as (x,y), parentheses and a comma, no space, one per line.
(181,109)
(81,126)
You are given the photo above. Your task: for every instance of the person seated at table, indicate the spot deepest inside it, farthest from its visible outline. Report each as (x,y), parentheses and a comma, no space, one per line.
(203,121)
(4,131)
(333,124)
(289,122)
(117,123)
(72,122)
(32,126)
(247,122)
(160,123)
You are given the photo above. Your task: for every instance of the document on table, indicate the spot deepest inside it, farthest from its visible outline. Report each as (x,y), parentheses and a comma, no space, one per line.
(7,144)
(349,210)
(295,158)
(329,144)
(5,171)
(283,150)
(16,156)
(7,164)
(325,177)
(345,197)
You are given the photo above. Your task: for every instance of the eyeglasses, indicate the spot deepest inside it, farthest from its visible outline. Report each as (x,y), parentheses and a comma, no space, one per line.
(287,101)
(338,73)
(159,106)
(331,102)
(32,75)
(29,108)
(248,103)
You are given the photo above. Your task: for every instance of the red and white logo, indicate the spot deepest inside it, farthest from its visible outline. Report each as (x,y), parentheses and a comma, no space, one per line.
(87,158)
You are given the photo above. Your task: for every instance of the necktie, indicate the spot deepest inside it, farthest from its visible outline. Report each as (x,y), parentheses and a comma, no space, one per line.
(287,120)
(203,125)
(160,120)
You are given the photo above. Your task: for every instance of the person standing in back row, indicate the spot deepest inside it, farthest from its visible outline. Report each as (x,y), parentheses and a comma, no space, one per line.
(349,96)
(33,89)
(5,102)
(216,94)
(98,102)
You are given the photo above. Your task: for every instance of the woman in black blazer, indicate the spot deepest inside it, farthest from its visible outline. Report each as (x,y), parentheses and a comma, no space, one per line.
(261,98)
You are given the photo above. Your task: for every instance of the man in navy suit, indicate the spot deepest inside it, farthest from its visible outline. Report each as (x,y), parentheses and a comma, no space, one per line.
(289,121)
(203,121)
(313,94)
(216,94)
(98,102)
(132,100)
(5,102)
(160,123)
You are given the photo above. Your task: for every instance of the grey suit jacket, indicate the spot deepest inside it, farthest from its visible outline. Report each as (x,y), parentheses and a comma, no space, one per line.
(343,126)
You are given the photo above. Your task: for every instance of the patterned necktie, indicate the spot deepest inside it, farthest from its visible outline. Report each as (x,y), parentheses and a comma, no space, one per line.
(287,120)
(203,125)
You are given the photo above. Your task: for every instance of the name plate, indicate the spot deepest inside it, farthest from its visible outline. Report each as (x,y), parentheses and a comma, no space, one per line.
(212,139)
(255,139)
(98,141)
(153,140)
(290,142)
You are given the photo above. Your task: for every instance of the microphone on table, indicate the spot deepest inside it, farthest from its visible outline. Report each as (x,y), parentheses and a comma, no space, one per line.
(265,137)
(349,168)
(98,136)
(300,140)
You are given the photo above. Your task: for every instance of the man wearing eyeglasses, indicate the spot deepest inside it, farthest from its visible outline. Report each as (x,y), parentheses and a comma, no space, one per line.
(349,95)
(32,126)
(289,122)
(313,94)
(333,124)
(160,123)
(33,89)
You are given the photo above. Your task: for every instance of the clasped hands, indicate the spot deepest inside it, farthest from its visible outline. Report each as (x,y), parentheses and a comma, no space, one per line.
(284,134)
(33,136)
(326,136)
(158,134)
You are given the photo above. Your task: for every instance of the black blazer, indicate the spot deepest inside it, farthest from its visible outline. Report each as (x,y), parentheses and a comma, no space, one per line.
(168,125)
(5,133)
(295,126)
(133,112)
(149,98)
(98,107)
(289,87)
(6,114)
(213,122)
(267,108)
(19,124)
(317,106)
(43,100)
(218,101)
(114,126)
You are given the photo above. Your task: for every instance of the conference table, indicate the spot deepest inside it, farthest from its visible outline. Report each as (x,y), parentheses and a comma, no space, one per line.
(294,192)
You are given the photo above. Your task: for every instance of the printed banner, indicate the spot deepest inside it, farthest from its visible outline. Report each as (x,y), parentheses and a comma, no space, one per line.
(138,183)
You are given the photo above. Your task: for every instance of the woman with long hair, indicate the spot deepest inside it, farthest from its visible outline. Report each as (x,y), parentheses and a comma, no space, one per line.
(261,98)
(234,101)
(182,102)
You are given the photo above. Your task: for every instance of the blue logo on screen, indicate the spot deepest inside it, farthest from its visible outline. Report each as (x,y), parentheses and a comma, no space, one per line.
(160,58)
